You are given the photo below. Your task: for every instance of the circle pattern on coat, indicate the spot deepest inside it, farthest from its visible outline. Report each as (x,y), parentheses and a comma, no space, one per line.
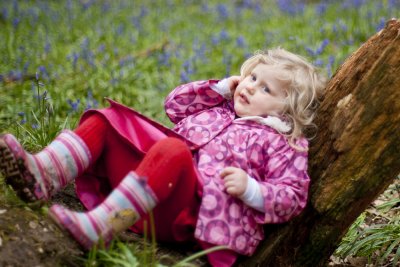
(194,108)
(198,133)
(241,240)
(187,98)
(205,118)
(210,96)
(284,203)
(211,207)
(217,232)
(233,211)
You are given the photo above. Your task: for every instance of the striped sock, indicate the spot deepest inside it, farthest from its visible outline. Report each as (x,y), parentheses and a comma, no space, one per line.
(123,207)
(61,161)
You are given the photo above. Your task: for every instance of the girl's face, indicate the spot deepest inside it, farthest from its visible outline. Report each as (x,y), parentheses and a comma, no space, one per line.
(260,93)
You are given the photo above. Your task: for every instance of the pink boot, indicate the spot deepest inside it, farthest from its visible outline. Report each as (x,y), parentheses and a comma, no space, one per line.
(39,176)
(130,200)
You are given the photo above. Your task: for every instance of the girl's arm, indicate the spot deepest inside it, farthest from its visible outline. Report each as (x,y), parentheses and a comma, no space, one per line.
(193,97)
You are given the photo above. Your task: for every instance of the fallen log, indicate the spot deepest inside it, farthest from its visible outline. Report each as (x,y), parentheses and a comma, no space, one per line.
(353,159)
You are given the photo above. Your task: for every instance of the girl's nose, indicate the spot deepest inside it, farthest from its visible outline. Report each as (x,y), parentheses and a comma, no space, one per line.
(250,88)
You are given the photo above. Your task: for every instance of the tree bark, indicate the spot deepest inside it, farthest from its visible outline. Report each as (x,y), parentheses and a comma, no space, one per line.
(354,158)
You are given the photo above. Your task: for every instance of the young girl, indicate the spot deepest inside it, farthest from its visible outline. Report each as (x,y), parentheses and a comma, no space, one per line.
(235,160)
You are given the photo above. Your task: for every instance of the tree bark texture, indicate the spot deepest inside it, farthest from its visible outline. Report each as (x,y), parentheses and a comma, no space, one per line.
(353,159)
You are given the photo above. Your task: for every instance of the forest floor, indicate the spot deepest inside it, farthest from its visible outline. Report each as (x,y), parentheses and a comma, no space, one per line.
(29,238)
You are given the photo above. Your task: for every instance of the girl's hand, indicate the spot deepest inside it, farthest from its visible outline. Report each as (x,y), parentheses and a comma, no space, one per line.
(235,181)
(233,82)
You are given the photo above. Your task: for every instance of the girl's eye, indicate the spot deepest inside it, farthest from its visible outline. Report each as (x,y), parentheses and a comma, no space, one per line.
(266,89)
(253,78)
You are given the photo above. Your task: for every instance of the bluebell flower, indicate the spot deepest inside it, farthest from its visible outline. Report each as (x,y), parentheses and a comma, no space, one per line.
(101,48)
(87,4)
(331,60)
(4,13)
(47,47)
(43,71)
(184,77)
(21,114)
(120,29)
(136,22)
(15,7)
(143,11)
(25,68)
(90,101)
(318,62)
(35,126)
(74,104)
(381,24)
(188,67)
(68,5)
(310,51)
(205,8)
(15,22)
(247,4)
(214,40)
(224,35)
(223,12)
(291,7)
(353,4)
(105,7)
(75,57)
(392,4)
(240,41)
(321,48)
(320,8)
(258,8)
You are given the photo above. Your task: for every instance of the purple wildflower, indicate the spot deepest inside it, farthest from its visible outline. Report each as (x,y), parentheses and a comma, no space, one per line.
(4,13)
(16,22)
(47,47)
(223,12)
(381,24)
(224,35)
(240,41)
(320,9)
(74,104)
(184,77)
(291,7)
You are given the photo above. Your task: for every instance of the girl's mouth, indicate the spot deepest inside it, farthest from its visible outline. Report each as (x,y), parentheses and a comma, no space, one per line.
(243,98)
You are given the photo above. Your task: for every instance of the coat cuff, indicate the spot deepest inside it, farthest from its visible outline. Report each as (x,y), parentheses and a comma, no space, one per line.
(222,88)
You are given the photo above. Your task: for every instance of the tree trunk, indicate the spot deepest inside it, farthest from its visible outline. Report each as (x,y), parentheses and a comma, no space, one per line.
(354,158)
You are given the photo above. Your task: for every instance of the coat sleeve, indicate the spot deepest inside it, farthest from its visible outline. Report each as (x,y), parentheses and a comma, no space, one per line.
(285,186)
(191,98)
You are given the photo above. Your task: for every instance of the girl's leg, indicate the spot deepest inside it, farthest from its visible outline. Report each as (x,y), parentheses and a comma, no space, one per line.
(171,175)
(39,176)
(167,166)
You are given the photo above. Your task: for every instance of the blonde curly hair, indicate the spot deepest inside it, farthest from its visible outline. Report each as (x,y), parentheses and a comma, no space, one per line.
(305,87)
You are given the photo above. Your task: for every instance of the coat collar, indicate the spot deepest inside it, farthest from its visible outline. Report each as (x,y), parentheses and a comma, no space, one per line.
(271,121)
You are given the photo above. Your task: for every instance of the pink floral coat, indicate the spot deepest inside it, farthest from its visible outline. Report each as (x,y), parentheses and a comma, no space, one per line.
(205,118)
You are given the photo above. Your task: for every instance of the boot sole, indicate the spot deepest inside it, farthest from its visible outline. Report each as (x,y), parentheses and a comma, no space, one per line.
(16,174)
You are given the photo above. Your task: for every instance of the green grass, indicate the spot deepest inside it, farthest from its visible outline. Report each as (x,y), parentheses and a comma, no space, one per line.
(59,58)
